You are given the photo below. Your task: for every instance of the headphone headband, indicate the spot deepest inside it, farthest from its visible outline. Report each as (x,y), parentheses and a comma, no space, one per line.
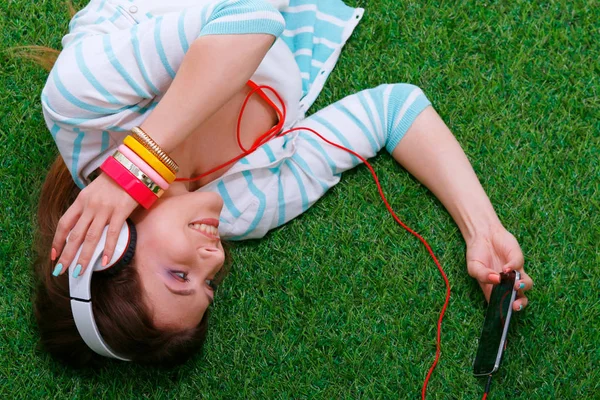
(80,287)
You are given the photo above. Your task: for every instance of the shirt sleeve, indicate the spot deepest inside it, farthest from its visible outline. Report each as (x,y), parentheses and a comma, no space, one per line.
(365,123)
(104,83)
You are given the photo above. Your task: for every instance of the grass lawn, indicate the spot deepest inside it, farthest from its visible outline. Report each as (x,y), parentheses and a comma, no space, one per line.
(341,303)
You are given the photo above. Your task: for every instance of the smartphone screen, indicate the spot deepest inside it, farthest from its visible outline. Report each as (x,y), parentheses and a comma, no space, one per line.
(495,326)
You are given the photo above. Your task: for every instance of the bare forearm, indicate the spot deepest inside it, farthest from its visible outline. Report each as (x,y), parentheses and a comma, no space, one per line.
(430,152)
(213,70)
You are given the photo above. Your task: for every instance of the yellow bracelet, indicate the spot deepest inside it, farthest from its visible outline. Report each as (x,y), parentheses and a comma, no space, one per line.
(145,179)
(146,141)
(150,158)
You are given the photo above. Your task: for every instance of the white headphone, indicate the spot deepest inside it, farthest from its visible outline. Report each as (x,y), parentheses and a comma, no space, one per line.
(80,287)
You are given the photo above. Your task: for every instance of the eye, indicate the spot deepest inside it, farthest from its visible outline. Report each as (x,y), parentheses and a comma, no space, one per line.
(211,284)
(180,275)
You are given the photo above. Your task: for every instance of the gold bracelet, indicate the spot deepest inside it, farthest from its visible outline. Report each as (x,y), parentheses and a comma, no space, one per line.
(145,179)
(151,145)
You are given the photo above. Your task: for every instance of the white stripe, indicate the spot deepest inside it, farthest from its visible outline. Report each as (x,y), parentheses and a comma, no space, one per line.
(304,29)
(303,52)
(305,75)
(409,101)
(330,19)
(251,16)
(297,9)
(375,114)
(325,42)
(316,63)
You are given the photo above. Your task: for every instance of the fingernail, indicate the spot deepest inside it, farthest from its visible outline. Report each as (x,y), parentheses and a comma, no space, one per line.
(520,307)
(104,261)
(77,271)
(521,285)
(57,269)
(53,254)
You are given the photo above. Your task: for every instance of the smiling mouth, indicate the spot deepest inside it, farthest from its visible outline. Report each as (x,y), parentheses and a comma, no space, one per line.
(207,227)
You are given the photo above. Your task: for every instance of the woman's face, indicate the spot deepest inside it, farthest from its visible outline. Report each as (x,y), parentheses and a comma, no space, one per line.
(178,249)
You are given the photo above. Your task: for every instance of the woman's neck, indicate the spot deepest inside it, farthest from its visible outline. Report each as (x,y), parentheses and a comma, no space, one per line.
(214,142)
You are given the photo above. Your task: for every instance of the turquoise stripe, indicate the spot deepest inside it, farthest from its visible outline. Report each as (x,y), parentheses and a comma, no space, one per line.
(374,145)
(261,206)
(121,70)
(268,152)
(54,131)
(266,26)
(76,152)
(227,200)
(160,49)
(105,141)
(76,102)
(101,6)
(363,102)
(317,146)
(301,187)
(377,97)
(66,121)
(92,79)
(138,56)
(99,20)
(75,39)
(420,104)
(181,29)
(281,202)
(115,16)
(343,141)
(304,165)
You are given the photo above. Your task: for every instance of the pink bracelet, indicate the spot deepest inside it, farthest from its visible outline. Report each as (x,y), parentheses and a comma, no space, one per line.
(128,182)
(144,167)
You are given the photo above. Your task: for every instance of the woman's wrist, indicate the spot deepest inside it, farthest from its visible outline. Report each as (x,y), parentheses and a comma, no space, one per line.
(476,219)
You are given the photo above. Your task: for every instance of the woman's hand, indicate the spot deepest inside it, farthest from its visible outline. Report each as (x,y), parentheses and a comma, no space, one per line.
(493,252)
(101,203)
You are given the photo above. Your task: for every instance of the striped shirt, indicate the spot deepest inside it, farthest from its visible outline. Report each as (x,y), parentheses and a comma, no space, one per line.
(120,57)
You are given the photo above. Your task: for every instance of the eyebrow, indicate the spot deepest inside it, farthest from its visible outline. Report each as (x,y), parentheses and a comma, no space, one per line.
(188,292)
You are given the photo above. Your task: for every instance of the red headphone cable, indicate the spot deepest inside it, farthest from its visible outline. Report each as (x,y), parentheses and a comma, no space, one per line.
(264,138)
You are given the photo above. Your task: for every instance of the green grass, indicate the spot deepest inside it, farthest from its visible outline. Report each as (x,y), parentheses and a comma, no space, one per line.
(340,303)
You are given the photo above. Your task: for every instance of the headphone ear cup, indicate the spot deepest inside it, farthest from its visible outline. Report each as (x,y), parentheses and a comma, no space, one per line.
(127,255)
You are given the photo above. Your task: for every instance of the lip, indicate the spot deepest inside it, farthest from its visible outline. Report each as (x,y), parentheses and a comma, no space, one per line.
(207,221)
(210,222)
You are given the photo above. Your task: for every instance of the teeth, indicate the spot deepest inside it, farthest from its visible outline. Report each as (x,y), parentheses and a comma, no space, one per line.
(205,228)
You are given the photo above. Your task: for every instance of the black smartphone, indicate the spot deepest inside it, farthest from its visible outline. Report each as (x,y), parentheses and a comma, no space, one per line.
(495,326)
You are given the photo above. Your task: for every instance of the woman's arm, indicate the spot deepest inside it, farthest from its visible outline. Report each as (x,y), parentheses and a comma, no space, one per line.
(430,152)
(153,57)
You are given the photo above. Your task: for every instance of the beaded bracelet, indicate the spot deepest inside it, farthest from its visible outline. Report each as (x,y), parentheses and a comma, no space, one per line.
(132,185)
(135,171)
(154,148)
(150,158)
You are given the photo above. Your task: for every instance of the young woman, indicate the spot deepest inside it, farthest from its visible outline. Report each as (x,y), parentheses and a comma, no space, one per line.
(178,73)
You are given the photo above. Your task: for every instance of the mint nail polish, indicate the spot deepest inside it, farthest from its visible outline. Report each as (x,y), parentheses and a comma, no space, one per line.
(77,271)
(521,285)
(57,269)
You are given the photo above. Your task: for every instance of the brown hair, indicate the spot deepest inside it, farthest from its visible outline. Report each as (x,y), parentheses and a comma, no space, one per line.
(123,318)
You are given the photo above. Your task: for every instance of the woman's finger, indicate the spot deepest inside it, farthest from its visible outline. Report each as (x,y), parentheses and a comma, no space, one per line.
(76,237)
(520,303)
(92,237)
(66,223)
(482,273)
(112,236)
(524,283)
